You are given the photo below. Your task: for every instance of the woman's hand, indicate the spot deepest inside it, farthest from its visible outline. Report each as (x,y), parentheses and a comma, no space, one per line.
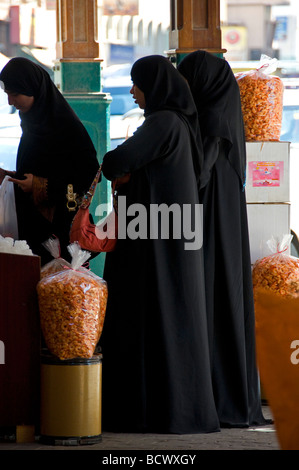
(25,184)
(2,175)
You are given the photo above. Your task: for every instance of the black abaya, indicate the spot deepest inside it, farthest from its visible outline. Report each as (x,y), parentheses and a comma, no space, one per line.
(229,295)
(229,298)
(156,368)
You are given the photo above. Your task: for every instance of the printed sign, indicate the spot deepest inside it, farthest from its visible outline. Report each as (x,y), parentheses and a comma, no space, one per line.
(265,174)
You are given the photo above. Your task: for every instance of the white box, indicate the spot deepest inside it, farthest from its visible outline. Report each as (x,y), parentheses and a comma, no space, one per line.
(264,222)
(267,172)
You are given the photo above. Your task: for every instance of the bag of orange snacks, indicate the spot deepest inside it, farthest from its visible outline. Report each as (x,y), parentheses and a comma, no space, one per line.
(261,101)
(72,305)
(278,272)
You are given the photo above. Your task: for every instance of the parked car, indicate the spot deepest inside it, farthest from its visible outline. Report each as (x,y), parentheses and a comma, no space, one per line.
(125,114)
(5,108)
(117,82)
(10,133)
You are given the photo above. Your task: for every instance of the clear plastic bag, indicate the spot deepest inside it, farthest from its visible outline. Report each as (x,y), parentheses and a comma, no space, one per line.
(77,253)
(261,101)
(72,305)
(58,263)
(8,214)
(16,247)
(278,272)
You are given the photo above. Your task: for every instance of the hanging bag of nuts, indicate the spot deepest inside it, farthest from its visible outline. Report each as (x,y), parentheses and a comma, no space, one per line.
(262,101)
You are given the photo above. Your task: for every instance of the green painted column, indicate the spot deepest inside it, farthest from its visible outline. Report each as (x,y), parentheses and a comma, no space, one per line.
(77,74)
(80,83)
(179,57)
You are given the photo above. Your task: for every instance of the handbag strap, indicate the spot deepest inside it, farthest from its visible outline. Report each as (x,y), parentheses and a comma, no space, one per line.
(87,198)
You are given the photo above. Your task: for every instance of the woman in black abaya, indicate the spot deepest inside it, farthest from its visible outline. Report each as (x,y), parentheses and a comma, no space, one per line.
(156,369)
(229,295)
(55,150)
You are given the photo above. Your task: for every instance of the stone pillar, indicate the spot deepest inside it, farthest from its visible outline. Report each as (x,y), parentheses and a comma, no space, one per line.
(77,73)
(194,24)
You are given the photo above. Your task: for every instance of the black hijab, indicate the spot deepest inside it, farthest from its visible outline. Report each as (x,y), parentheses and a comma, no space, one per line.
(165,89)
(217,97)
(54,145)
(50,127)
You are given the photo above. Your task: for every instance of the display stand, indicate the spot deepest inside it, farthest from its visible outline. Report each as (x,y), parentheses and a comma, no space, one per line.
(19,345)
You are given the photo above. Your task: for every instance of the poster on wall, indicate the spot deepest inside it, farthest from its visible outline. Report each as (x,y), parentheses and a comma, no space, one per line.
(120,7)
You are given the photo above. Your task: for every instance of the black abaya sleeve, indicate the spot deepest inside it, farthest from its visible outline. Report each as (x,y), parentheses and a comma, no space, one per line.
(211,152)
(152,140)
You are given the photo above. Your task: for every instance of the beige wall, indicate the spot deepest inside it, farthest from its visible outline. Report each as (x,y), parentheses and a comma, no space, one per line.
(252,16)
(256,17)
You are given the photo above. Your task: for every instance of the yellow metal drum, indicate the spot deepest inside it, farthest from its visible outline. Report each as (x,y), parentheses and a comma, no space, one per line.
(71,400)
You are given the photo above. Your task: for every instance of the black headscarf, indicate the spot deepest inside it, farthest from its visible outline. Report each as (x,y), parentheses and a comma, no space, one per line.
(55,147)
(23,76)
(165,89)
(50,123)
(217,97)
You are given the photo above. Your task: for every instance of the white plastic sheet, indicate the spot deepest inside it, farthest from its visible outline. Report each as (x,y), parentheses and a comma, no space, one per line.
(8,215)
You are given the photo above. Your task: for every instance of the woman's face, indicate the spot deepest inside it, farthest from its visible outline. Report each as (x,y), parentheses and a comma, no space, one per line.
(138,96)
(21,102)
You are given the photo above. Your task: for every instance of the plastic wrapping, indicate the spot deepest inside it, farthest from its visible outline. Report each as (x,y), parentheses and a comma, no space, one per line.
(8,213)
(16,247)
(278,272)
(72,305)
(58,263)
(261,101)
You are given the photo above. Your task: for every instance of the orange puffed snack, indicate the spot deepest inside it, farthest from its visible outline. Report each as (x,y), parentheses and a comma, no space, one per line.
(277,272)
(72,306)
(262,104)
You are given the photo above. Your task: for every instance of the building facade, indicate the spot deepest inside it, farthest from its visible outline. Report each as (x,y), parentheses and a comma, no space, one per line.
(128,29)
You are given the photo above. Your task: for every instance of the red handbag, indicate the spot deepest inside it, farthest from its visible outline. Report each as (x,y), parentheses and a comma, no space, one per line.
(95,238)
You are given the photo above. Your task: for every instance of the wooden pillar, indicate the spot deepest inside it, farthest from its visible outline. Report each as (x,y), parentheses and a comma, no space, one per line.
(78,67)
(77,73)
(194,24)
(77,29)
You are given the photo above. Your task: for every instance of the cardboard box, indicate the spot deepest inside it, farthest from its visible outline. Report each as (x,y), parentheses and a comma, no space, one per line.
(265,221)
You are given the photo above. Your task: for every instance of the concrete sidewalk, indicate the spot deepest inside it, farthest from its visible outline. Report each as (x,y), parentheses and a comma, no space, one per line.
(253,438)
